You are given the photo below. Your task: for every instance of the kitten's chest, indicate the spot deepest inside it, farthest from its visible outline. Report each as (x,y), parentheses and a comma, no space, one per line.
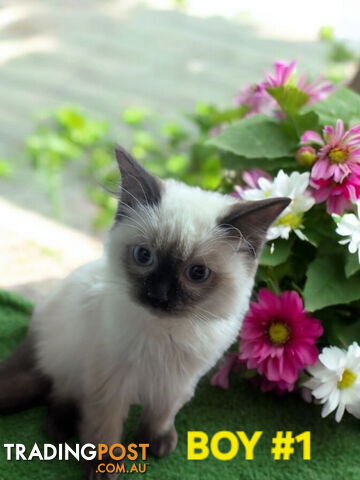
(161,362)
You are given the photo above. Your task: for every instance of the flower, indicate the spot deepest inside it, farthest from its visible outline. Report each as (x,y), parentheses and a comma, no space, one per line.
(349,226)
(282,74)
(257,99)
(339,155)
(251,178)
(221,377)
(317,90)
(335,381)
(293,186)
(278,337)
(339,196)
(280,387)
(306,156)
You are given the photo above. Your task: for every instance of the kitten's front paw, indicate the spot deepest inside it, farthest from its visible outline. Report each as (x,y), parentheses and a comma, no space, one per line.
(160,445)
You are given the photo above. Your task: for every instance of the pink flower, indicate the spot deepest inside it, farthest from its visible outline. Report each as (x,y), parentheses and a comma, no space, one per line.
(280,387)
(221,377)
(278,337)
(317,90)
(339,155)
(283,73)
(257,99)
(251,178)
(339,196)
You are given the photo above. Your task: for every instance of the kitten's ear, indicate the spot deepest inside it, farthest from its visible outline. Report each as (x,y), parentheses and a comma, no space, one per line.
(138,186)
(251,220)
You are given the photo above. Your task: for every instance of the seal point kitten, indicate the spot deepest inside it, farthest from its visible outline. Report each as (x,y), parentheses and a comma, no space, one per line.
(147,320)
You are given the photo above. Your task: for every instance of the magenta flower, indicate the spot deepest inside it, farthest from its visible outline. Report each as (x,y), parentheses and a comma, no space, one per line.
(221,377)
(317,90)
(282,74)
(339,155)
(278,337)
(257,99)
(338,196)
(251,179)
(280,387)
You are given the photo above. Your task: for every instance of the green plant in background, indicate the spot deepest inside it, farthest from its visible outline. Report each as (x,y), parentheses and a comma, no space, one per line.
(5,168)
(339,54)
(168,149)
(64,136)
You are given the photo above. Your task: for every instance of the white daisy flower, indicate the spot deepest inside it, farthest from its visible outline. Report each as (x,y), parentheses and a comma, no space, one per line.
(335,381)
(349,226)
(293,186)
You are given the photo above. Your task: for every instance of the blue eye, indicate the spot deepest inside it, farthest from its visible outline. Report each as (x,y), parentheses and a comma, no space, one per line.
(143,256)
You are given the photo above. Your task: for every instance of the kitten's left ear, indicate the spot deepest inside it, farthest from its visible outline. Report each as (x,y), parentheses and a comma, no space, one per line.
(251,220)
(138,186)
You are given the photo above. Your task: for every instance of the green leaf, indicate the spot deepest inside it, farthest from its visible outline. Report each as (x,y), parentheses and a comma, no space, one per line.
(299,123)
(344,104)
(289,98)
(349,333)
(327,284)
(352,264)
(276,252)
(235,162)
(254,137)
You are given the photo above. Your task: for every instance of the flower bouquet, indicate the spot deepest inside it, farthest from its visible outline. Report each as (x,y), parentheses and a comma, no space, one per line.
(300,139)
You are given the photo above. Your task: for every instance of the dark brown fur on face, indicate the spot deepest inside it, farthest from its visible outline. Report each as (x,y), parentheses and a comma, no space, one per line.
(250,220)
(137,184)
(163,287)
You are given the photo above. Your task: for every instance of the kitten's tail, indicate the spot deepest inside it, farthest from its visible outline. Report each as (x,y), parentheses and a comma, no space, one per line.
(22,385)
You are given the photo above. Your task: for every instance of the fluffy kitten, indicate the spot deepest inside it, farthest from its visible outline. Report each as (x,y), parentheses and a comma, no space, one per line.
(143,323)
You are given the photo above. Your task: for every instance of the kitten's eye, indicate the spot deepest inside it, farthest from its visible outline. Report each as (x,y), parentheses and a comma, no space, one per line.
(197,273)
(143,256)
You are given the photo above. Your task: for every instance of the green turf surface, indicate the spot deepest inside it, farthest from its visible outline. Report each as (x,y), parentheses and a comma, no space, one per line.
(335,449)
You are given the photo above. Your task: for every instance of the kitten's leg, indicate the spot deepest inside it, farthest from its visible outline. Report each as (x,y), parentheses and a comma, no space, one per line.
(22,385)
(102,416)
(62,420)
(157,427)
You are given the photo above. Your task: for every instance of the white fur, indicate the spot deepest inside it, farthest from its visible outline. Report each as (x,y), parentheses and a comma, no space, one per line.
(90,328)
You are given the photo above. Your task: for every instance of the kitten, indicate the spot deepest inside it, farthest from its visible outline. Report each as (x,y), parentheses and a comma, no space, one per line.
(147,320)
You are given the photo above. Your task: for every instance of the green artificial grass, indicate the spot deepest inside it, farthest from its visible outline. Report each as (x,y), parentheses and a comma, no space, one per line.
(335,448)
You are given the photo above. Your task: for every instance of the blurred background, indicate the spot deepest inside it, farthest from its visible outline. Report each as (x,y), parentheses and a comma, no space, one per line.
(158,77)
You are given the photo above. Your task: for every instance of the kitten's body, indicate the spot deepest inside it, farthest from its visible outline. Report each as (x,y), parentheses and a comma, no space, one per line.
(116,333)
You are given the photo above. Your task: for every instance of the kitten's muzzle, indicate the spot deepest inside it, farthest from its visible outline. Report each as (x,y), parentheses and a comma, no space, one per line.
(158,295)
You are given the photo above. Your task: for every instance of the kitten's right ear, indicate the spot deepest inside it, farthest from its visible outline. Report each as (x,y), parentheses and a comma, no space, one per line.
(138,186)
(251,220)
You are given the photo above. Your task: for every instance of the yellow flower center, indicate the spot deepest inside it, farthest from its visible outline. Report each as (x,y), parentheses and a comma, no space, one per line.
(338,155)
(278,333)
(292,220)
(347,379)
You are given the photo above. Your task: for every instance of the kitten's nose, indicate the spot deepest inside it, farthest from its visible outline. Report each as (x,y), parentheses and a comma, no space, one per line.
(158,293)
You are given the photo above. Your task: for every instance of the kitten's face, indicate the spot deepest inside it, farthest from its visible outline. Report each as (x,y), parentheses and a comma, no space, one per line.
(180,247)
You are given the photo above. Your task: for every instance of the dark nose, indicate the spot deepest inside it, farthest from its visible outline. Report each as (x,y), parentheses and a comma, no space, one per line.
(158,293)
